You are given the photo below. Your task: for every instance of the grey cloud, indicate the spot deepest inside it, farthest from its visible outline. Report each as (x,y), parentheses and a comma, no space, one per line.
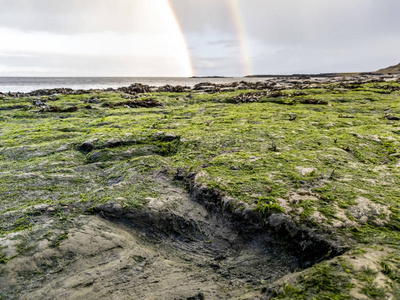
(215,54)
(363,57)
(289,36)
(285,36)
(71,16)
(197,16)
(319,22)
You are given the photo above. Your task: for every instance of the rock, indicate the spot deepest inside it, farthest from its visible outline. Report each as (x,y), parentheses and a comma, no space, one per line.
(250,214)
(135,88)
(97,156)
(112,143)
(275,94)
(41,207)
(228,203)
(62,148)
(114,181)
(199,296)
(314,101)
(120,199)
(111,207)
(169,137)
(203,86)
(248,97)
(227,89)
(135,103)
(172,89)
(158,134)
(277,220)
(29,175)
(375,138)
(305,171)
(367,210)
(392,118)
(92,100)
(86,147)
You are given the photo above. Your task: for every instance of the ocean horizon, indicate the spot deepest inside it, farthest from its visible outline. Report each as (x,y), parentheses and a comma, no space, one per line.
(29,84)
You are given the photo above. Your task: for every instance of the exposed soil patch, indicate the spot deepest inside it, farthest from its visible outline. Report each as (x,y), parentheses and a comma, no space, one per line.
(172,249)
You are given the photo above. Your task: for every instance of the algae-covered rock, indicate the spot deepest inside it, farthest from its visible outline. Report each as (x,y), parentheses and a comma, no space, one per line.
(86,147)
(98,156)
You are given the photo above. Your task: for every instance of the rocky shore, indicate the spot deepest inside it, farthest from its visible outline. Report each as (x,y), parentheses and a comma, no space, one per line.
(271,84)
(286,188)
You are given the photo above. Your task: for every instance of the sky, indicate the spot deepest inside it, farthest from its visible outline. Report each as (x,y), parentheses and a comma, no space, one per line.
(196,37)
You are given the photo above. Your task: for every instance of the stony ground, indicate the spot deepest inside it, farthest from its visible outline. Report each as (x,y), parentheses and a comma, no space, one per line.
(286,189)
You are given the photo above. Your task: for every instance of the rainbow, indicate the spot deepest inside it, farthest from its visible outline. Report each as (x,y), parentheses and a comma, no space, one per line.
(187,59)
(238,21)
(234,7)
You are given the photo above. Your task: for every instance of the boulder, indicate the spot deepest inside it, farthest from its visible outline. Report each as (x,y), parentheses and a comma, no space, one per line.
(86,147)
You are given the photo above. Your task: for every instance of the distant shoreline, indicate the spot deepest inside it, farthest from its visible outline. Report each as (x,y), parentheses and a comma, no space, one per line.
(212,77)
(315,75)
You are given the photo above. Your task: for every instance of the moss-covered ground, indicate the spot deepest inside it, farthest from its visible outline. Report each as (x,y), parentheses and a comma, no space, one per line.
(327,156)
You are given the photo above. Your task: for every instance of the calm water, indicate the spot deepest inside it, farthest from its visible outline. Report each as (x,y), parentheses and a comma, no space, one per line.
(28,84)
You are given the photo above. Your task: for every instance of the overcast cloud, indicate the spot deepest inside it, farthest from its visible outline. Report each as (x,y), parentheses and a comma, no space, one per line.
(130,37)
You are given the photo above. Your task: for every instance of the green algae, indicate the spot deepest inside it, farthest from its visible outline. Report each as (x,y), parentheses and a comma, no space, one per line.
(335,142)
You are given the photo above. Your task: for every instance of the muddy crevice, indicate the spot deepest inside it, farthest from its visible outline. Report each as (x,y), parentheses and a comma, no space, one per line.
(239,250)
(231,260)
(309,245)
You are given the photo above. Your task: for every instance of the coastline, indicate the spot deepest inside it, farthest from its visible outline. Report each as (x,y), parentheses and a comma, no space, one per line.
(30,85)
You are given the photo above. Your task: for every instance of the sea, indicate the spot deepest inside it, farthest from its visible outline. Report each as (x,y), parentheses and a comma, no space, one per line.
(28,84)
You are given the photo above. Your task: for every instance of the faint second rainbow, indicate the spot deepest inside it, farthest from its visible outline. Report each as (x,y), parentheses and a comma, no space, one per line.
(240,28)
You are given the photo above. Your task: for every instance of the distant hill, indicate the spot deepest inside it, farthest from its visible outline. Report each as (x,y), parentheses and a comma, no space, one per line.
(392,69)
